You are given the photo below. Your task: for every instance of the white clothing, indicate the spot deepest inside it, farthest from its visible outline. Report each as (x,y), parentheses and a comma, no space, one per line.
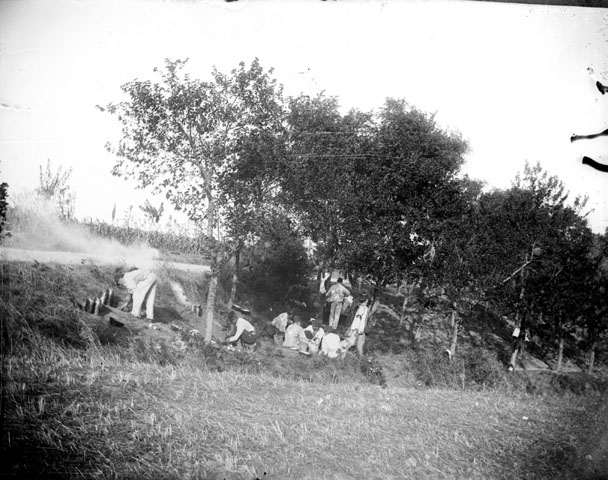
(312,344)
(324,277)
(292,336)
(141,284)
(360,319)
(280,321)
(242,325)
(331,345)
(337,292)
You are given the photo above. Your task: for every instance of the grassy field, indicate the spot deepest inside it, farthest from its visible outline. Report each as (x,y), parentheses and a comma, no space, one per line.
(93,415)
(81,401)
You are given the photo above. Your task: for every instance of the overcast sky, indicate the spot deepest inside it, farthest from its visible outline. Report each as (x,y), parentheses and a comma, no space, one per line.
(510,77)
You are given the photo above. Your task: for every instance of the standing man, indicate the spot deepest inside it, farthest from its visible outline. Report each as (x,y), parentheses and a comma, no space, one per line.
(360,326)
(141,285)
(335,296)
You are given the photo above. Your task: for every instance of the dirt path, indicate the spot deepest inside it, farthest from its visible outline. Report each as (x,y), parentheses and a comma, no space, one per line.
(74,258)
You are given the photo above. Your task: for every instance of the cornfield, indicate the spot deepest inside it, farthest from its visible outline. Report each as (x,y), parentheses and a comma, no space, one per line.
(164,241)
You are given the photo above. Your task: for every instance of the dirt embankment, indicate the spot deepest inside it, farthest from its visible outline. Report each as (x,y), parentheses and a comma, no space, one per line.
(73,258)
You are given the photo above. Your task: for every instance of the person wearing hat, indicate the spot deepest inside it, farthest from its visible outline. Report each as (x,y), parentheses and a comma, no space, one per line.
(141,285)
(242,330)
(335,297)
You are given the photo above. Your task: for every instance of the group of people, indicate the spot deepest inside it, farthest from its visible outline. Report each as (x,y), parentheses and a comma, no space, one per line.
(309,340)
(313,339)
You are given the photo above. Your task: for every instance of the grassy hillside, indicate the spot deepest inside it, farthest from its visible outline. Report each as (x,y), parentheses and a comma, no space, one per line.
(83,399)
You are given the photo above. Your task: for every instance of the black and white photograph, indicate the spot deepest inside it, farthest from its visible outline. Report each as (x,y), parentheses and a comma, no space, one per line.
(308,239)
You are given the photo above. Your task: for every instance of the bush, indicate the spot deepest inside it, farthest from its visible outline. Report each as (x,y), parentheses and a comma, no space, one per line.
(275,263)
(472,368)
(3,205)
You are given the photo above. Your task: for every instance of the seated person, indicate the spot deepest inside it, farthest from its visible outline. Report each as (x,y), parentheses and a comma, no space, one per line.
(313,335)
(292,334)
(330,346)
(280,324)
(242,331)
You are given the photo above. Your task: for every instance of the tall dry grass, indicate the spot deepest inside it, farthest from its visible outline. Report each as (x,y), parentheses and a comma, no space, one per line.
(90,414)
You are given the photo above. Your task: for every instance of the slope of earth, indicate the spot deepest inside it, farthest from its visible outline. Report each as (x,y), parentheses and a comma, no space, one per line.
(162,409)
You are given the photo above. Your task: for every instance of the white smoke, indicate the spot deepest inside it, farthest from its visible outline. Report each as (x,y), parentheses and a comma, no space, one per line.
(178,291)
(34,225)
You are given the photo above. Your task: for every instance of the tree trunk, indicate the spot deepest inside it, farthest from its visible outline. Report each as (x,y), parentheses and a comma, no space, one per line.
(210,307)
(591,359)
(560,354)
(214,273)
(455,325)
(518,345)
(235,276)
(520,320)
(407,291)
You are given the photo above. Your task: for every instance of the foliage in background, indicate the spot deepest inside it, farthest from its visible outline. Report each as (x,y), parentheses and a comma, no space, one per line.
(3,208)
(373,190)
(179,134)
(276,261)
(165,241)
(55,186)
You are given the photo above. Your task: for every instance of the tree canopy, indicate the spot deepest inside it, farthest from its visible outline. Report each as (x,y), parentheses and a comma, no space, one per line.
(380,192)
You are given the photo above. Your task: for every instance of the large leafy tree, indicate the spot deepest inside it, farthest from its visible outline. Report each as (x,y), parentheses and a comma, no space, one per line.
(592,288)
(179,134)
(407,191)
(372,189)
(318,171)
(534,241)
(455,267)
(250,186)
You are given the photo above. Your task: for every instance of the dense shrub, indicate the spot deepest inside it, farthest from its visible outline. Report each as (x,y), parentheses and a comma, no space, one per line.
(3,205)
(276,262)
(475,367)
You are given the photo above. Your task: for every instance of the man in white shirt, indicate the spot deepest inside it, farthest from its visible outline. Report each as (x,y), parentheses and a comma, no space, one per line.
(356,332)
(330,346)
(292,334)
(141,285)
(335,296)
(243,330)
(313,335)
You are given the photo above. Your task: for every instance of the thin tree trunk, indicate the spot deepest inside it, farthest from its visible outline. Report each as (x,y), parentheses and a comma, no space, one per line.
(591,359)
(407,291)
(403,310)
(560,354)
(214,273)
(210,307)
(520,320)
(519,343)
(455,326)
(235,276)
